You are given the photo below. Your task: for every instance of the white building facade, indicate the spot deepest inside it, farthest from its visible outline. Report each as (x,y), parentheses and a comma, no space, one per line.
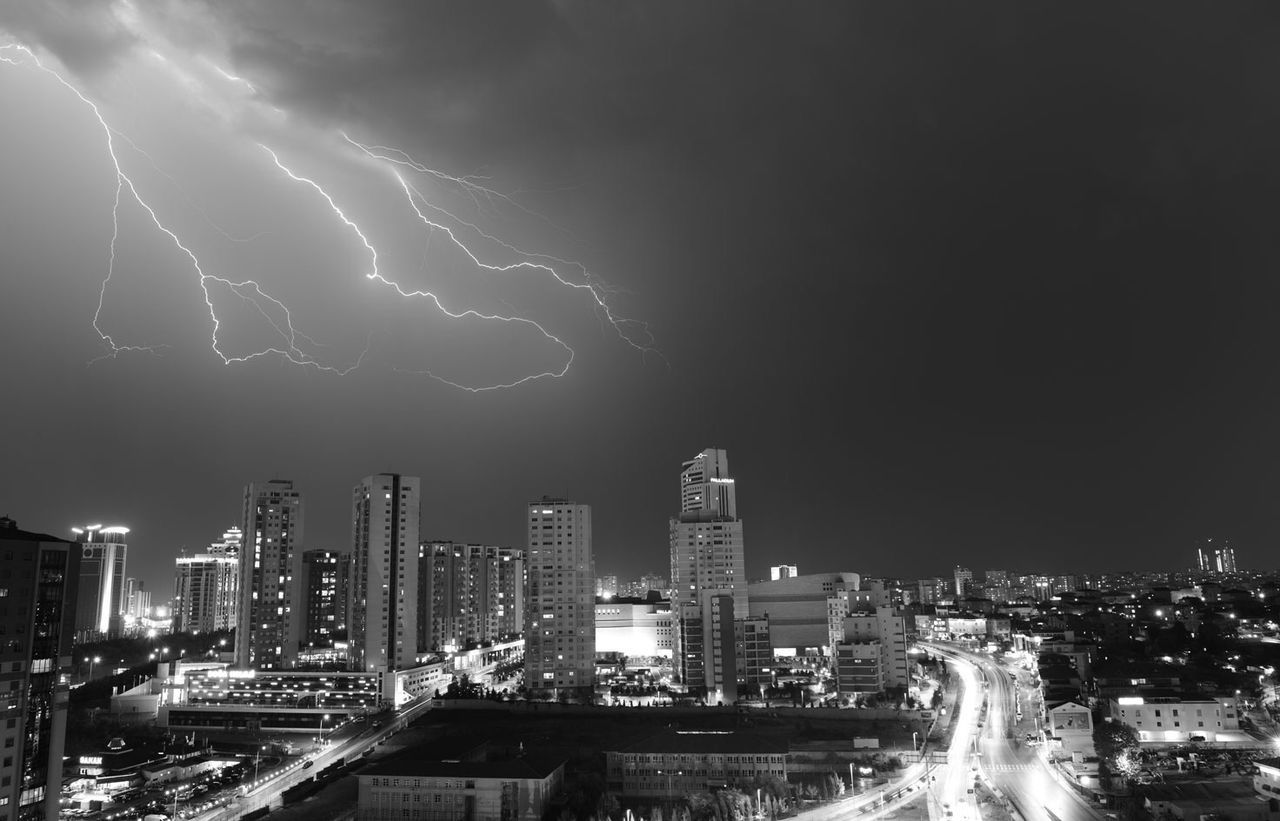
(560,617)
(100,597)
(385,511)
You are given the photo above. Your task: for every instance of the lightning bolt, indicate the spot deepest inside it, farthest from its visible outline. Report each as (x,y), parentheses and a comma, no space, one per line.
(12,54)
(634,333)
(375,274)
(544,263)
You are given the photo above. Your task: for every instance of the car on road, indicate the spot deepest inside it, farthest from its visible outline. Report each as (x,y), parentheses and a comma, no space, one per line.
(310,763)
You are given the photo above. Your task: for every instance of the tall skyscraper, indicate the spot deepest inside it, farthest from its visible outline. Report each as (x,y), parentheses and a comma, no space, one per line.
(513,581)
(38,587)
(560,615)
(706,538)
(100,604)
(326,592)
(468,593)
(206,587)
(384,587)
(964,580)
(138,604)
(270,618)
(708,573)
(1216,556)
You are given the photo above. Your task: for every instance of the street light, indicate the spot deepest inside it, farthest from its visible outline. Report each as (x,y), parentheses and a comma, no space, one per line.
(323,719)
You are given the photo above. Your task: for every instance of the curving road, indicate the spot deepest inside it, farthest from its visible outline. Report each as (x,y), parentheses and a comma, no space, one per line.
(948,785)
(1017,771)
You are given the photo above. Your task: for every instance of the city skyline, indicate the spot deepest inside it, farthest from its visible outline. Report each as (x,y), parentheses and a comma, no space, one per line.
(948,292)
(158,578)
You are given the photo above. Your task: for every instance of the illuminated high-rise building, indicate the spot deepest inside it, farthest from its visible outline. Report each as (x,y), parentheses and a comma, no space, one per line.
(270,619)
(206,587)
(1216,556)
(468,594)
(384,584)
(708,573)
(560,615)
(133,599)
(37,622)
(783,571)
(326,595)
(100,600)
(706,538)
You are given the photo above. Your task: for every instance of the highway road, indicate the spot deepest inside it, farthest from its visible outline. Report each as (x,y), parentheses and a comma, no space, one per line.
(948,785)
(1018,771)
(346,743)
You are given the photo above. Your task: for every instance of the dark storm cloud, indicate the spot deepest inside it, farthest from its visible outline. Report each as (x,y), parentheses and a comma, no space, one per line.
(87,37)
(566,77)
(986,283)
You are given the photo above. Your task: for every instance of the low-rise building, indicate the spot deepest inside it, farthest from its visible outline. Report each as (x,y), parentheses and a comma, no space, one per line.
(860,667)
(796,607)
(1198,800)
(110,771)
(1069,726)
(675,762)
(634,628)
(508,786)
(1266,782)
(872,653)
(1176,719)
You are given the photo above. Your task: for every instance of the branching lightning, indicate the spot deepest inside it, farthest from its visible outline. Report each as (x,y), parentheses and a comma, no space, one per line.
(375,274)
(277,314)
(530,261)
(248,289)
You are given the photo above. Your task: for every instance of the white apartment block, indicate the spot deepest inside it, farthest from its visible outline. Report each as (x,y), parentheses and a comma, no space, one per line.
(872,652)
(1174,720)
(1069,727)
(384,578)
(560,629)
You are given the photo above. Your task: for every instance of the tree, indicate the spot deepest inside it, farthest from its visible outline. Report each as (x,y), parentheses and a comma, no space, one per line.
(1117,746)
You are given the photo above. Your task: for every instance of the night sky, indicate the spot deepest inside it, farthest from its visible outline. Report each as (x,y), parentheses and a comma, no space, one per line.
(952,283)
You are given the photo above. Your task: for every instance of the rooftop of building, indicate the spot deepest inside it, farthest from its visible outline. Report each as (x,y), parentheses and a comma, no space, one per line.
(1054,704)
(10,532)
(705,741)
(507,765)
(1168,696)
(1204,798)
(1124,668)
